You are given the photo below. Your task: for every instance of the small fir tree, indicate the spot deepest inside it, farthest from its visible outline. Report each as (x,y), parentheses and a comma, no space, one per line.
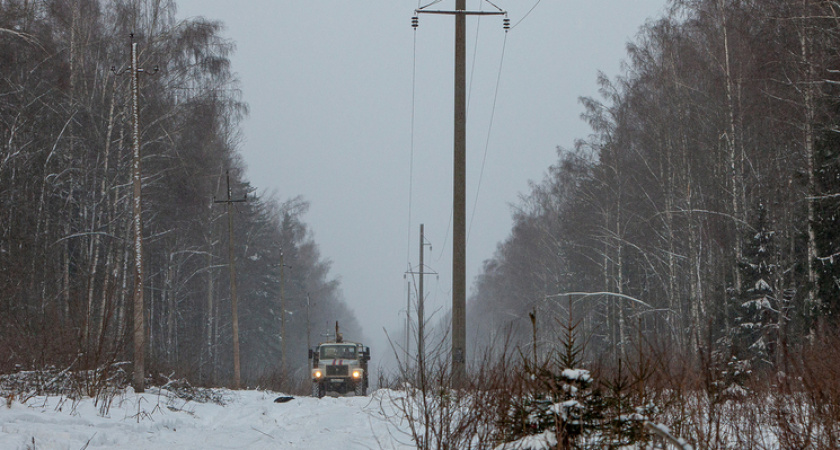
(563,408)
(757,311)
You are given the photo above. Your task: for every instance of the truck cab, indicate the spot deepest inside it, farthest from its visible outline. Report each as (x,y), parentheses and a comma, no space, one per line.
(339,367)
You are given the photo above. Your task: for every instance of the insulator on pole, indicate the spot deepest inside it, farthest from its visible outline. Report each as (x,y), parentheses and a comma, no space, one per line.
(506,24)
(414,21)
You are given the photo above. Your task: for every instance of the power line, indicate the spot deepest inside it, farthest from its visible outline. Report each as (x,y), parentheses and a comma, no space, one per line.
(475,55)
(446,236)
(526,14)
(430,4)
(411,160)
(487,142)
(414,23)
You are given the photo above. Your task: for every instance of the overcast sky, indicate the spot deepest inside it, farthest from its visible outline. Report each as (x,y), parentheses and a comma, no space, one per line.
(330,86)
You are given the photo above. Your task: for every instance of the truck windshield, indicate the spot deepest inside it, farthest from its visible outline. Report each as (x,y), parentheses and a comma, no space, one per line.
(338,352)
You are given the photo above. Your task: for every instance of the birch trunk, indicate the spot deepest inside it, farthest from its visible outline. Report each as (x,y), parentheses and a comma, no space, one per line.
(210,315)
(735,157)
(808,146)
(103,193)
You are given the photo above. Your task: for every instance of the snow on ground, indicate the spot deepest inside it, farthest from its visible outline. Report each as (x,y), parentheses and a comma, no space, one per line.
(248,420)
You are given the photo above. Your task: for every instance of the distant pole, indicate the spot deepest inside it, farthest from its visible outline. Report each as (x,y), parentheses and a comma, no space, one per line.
(234,303)
(308,326)
(139,307)
(234,300)
(407,322)
(421,314)
(282,318)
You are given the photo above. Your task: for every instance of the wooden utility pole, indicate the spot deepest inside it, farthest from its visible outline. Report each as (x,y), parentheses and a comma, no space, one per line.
(139,319)
(139,307)
(459,214)
(282,318)
(233,299)
(308,323)
(421,314)
(407,323)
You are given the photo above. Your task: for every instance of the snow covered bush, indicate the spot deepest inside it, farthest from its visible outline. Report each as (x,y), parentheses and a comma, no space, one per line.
(560,405)
(66,382)
(560,409)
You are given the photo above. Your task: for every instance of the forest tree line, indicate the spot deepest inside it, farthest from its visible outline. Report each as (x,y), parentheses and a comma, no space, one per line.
(66,249)
(701,212)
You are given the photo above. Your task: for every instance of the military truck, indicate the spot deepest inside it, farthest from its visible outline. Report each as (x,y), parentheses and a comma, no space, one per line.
(339,367)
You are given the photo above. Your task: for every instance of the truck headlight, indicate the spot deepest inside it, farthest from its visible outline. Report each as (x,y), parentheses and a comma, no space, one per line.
(317,374)
(357,374)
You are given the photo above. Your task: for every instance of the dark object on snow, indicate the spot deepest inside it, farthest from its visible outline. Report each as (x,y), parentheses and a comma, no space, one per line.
(283,399)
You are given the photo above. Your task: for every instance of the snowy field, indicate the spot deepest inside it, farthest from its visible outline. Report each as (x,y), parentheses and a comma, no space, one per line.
(248,420)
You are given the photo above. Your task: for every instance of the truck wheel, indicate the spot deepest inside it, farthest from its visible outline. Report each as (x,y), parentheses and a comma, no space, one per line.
(360,390)
(317,390)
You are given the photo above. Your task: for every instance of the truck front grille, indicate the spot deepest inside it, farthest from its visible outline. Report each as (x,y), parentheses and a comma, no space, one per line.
(338,371)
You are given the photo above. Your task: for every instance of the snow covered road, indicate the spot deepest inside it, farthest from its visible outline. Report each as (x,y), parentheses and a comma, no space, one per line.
(249,420)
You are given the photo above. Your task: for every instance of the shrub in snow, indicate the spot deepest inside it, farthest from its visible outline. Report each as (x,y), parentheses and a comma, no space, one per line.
(66,382)
(561,407)
(624,421)
(182,389)
(565,409)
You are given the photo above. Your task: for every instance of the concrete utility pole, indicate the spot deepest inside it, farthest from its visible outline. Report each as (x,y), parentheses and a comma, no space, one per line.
(234,303)
(139,319)
(459,202)
(459,214)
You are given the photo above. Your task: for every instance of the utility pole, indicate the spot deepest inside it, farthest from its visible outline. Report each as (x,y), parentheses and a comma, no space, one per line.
(233,299)
(136,176)
(407,322)
(282,317)
(139,319)
(421,312)
(421,315)
(459,202)
(308,324)
(459,214)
